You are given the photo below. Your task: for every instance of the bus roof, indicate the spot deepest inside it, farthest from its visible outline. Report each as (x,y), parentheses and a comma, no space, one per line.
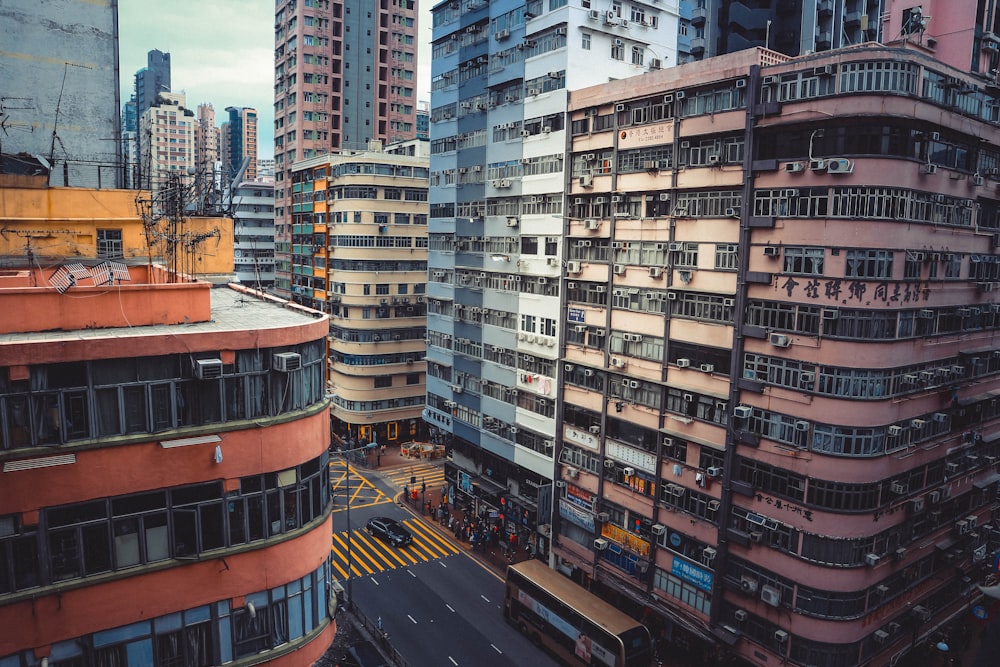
(575,597)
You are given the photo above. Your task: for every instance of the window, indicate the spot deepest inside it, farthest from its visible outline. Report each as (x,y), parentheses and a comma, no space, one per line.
(806,261)
(869,264)
(637,52)
(383,381)
(727,256)
(585,41)
(109,244)
(618,50)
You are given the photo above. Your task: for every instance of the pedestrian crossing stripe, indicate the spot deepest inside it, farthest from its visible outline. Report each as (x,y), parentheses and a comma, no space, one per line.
(429,474)
(369,555)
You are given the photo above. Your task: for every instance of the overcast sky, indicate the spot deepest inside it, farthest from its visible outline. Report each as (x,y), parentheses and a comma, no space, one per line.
(221,52)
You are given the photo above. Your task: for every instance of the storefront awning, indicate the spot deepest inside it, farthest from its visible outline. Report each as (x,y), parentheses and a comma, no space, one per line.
(489,484)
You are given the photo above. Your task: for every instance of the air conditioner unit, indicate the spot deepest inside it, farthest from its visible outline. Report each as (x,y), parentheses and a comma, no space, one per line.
(817,165)
(628,471)
(708,554)
(619,269)
(683,363)
(928,168)
(560,484)
(512,222)
(658,529)
(591,224)
(707,368)
(740,615)
(881,636)
(676,247)
(917,423)
(779,340)
(979,554)
(770,595)
(600,544)
(894,430)
(748,584)
(617,362)
(573,472)
(655,63)
(574,267)
(922,613)
(872,560)
(714,471)
(207,369)
(839,165)
(772,251)
(802,425)
(594,14)
(977,179)
(655,272)
(595,429)
(742,411)
(286,361)
(900,553)
(899,488)
(631,337)
(769,80)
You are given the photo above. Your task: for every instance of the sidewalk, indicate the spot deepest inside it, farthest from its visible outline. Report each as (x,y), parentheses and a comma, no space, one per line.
(491,554)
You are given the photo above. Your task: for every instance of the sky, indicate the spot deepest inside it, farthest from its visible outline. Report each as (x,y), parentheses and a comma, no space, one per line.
(222,53)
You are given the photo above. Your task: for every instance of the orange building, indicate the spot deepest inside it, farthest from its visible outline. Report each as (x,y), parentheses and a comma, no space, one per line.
(164,490)
(50,226)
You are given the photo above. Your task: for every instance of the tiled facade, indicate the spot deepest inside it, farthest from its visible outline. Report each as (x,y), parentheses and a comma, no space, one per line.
(167,148)
(500,80)
(778,429)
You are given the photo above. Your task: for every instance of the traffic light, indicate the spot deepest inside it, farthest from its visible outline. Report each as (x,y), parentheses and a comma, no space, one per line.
(423,487)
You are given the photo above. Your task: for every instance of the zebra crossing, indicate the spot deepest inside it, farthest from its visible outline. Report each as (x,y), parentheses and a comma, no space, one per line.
(418,473)
(368,555)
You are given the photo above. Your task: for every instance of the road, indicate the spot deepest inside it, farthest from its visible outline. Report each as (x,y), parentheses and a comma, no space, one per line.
(438,604)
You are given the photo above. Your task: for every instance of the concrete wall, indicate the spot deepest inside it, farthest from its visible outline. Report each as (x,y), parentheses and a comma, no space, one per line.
(67,49)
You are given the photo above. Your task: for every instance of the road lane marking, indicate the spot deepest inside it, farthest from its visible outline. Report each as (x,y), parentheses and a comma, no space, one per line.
(413,620)
(411,574)
(484,597)
(453,661)
(375,581)
(496,649)
(449,608)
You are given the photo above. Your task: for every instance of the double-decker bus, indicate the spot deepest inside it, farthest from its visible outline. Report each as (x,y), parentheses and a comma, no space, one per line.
(576,626)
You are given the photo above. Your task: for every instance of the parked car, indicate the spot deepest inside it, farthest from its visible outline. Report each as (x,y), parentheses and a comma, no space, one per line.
(389,530)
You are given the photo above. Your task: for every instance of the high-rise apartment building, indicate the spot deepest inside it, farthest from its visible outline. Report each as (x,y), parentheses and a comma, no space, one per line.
(155,507)
(253,235)
(241,142)
(344,75)
(206,155)
(501,76)
(60,91)
(167,146)
(360,246)
(713,27)
(779,430)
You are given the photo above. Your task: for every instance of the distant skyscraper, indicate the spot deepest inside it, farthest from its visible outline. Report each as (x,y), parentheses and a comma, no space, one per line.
(206,154)
(60,88)
(152,80)
(242,140)
(344,75)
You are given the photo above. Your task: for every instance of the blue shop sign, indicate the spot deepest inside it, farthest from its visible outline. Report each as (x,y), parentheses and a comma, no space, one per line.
(575,315)
(692,574)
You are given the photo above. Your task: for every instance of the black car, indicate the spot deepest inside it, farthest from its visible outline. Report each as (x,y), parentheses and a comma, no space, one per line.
(389,530)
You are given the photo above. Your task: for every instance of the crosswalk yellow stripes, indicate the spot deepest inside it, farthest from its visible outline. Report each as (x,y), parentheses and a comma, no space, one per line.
(428,473)
(368,555)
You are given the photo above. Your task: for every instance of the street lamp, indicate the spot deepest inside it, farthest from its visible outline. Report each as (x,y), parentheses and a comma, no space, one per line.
(347,482)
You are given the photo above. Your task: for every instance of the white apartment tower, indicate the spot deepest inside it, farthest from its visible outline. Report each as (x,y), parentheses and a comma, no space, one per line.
(501,76)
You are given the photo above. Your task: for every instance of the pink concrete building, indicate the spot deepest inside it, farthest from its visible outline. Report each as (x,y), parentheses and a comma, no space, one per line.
(344,75)
(779,431)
